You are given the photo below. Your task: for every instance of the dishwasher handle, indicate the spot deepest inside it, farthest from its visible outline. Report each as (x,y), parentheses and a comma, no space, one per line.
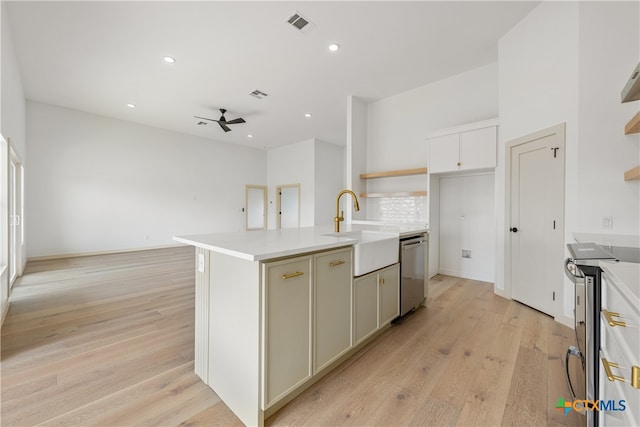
(413,243)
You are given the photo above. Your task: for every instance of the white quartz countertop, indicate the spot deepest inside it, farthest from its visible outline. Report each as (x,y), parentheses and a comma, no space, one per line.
(627,278)
(625,274)
(269,244)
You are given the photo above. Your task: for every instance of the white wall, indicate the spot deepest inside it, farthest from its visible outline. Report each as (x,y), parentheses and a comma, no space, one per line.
(356,153)
(293,164)
(13,100)
(568,62)
(609,49)
(99,184)
(467,221)
(329,181)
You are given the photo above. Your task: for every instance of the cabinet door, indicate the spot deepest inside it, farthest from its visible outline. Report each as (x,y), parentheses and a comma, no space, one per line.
(365,289)
(389,288)
(444,153)
(478,149)
(287,326)
(332,326)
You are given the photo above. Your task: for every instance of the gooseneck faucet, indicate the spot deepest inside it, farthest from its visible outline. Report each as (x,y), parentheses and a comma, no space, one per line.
(340,216)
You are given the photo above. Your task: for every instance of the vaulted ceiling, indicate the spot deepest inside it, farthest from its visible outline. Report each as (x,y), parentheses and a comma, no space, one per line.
(100,56)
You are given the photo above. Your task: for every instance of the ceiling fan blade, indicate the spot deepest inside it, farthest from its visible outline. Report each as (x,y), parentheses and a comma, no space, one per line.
(204,118)
(235,121)
(224,127)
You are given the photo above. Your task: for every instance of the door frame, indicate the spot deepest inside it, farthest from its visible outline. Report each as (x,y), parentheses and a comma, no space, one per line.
(559,129)
(16,196)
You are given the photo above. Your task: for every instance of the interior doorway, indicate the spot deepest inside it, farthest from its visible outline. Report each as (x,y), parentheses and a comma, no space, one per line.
(16,235)
(288,206)
(536,221)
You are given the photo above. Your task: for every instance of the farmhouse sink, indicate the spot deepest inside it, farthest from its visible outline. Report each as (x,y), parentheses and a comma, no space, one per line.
(372,250)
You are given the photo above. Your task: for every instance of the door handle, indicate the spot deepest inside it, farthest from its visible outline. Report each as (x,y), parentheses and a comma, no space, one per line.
(513,229)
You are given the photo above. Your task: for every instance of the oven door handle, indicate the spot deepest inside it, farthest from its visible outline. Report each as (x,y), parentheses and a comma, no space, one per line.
(572,271)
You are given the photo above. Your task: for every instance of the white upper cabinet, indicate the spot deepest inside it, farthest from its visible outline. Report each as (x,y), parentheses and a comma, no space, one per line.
(466,148)
(444,153)
(478,149)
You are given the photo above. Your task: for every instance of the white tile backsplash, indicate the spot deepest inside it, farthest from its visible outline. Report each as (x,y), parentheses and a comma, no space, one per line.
(398,209)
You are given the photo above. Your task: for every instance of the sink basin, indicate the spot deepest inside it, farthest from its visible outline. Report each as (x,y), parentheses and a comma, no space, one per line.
(372,250)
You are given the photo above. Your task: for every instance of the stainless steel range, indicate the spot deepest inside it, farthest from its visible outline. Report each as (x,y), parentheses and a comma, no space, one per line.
(584,271)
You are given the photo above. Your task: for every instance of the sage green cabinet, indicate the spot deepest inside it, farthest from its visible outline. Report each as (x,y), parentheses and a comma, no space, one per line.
(287,326)
(333,307)
(376,301)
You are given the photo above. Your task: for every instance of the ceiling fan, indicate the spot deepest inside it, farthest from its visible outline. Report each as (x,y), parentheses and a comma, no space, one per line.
(222,121)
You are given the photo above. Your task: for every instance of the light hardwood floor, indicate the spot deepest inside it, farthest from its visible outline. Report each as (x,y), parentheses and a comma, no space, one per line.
(108,340)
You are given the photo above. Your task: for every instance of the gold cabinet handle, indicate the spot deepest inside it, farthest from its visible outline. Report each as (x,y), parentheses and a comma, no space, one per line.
(607,368)
(382,280)
(635,377)
(336,263)
(289,276)
(459,163)
(609,315)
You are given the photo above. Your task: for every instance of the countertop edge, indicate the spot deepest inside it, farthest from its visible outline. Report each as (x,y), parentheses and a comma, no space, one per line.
(269,255)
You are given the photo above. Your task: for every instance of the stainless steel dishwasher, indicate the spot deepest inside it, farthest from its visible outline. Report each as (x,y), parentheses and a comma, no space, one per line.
(413,271)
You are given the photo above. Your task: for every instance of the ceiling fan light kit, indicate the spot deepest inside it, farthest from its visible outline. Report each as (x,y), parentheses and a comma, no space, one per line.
(222,121)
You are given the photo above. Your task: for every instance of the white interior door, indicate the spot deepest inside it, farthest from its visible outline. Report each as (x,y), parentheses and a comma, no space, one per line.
(537,224)
(256,207)
(288,206)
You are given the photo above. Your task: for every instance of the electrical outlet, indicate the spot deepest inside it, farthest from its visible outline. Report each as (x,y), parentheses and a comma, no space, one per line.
(607,222)
(466,253)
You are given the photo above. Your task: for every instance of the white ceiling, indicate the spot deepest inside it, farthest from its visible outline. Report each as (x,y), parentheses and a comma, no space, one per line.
(99,56)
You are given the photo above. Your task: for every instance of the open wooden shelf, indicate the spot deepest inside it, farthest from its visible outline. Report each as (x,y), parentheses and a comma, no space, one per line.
(398,194)
(633,126)
(632,174)
(389,174)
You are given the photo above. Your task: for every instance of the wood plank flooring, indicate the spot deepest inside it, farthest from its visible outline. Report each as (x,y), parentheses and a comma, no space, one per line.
(108,341)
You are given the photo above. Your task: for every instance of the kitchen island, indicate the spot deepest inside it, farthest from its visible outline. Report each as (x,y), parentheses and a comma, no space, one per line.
(276,310)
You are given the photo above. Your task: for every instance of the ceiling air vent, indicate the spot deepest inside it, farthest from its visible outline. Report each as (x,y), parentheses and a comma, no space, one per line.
(258,94)
(301,23)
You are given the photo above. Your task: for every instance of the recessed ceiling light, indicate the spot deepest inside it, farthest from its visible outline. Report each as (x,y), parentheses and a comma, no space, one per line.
(307,115)
(131,105)
(334,47)
(169,59)
(249,136)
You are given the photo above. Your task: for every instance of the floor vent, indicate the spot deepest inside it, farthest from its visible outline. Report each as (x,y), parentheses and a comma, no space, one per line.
(301,23)
(258,94)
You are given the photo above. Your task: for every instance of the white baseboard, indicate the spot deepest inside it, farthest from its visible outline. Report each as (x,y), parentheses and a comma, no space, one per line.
(107,252)
(472,276)
(566,321)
